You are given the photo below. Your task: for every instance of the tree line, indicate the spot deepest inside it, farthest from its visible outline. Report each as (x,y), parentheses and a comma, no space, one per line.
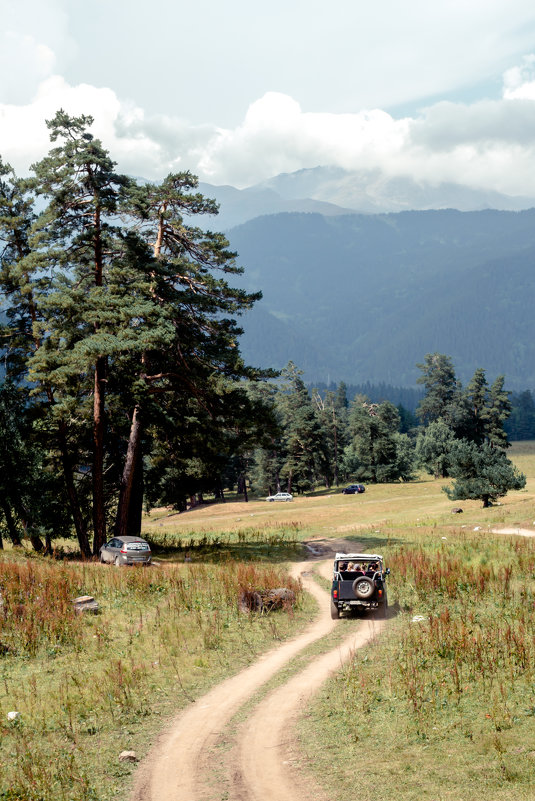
(121,320)
(124,383)
(457,432)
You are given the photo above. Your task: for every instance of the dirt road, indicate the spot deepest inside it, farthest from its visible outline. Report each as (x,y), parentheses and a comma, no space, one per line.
(259,765)
(520,532)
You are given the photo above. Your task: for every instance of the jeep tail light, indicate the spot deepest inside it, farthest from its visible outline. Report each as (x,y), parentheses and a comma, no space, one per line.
(380,593)
(335,593)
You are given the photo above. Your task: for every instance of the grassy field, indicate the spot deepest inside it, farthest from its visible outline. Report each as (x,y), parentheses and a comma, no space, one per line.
(455,683)
(90,686)
(442,706)
(383,512)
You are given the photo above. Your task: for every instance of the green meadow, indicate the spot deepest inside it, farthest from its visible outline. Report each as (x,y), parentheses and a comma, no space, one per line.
(441,706)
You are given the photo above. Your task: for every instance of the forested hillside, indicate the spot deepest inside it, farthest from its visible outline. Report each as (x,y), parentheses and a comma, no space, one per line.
(360,298)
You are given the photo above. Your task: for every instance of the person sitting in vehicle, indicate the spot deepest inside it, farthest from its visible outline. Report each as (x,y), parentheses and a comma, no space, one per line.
(342,566)
(373,567)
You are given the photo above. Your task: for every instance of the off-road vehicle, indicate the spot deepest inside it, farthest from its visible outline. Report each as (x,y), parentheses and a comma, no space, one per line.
(358,583)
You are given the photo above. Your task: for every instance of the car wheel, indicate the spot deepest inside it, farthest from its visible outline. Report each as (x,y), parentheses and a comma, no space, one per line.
(363,587)
(102,560)
(335,612)
(117,561)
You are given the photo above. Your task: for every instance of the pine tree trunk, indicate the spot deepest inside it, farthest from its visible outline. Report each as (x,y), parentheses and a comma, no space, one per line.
(79,522)
(135,507)
(10,523)
(127,479)
(99,514)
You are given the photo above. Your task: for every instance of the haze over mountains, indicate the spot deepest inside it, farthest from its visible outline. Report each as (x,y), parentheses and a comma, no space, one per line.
(333,190)
(363,297)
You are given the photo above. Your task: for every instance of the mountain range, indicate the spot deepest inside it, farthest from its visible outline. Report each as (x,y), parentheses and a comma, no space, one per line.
(363,297)
(334,191)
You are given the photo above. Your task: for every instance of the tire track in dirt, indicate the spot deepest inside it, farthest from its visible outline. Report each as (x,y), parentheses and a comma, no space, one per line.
(267,766)
(173,771)
(179,765)
(520,532)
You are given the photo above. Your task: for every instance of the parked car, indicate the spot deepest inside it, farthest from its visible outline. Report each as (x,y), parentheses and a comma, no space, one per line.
(280,496)
(358,583)
(126,551)
(353,489)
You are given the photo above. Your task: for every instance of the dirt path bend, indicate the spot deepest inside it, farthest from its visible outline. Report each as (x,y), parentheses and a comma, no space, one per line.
(171,771)
(268,768)
(175,770)
(520,532)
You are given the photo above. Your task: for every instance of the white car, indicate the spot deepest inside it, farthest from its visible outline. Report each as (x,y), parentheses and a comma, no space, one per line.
(280,496)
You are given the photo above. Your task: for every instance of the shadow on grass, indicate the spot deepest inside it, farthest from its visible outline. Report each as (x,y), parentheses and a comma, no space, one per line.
(221,549)
(369,543)
(259,547)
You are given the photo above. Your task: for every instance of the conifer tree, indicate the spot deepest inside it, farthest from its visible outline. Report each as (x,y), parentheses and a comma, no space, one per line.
(481,473)
(126,322)
(305,447)
(374,428)
(433,447)
(443,398)
(23,282)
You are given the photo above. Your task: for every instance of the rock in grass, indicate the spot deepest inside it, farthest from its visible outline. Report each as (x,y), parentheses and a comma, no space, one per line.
(85,603)
(456,510)
(13,716)
(128,756)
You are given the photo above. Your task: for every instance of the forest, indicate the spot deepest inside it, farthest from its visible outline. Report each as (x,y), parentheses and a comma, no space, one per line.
(124,384)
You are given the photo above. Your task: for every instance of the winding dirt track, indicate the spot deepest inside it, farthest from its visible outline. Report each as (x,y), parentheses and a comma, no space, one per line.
(260,763)
(520,532)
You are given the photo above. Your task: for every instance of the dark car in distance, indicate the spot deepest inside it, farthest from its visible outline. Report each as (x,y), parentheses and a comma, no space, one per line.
(353,489)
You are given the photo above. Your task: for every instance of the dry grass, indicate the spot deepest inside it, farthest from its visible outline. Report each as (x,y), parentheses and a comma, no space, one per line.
(89,686)
(442,706)
(331,514)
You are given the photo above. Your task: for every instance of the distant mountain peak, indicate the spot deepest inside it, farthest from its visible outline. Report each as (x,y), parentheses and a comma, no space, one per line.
(372,191)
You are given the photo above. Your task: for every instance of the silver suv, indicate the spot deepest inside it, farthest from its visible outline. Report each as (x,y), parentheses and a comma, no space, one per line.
(126,551)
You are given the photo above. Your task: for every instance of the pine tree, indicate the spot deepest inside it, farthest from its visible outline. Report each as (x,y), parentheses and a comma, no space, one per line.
(443,398)
(374,428)
(481,473)
(433,448)
(498,412)
(127,325)
(305,447)
(476,394)
(23,283)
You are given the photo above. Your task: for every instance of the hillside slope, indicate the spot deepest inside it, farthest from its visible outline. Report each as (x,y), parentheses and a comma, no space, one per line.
(364,297)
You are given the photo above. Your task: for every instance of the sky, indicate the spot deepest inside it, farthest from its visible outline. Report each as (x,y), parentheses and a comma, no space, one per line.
(237,92)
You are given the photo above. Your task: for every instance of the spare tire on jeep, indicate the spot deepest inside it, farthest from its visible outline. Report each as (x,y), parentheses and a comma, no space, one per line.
(363,587)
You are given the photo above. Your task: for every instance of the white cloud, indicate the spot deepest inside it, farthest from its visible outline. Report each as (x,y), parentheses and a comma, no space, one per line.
(487,144)
(519,82)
